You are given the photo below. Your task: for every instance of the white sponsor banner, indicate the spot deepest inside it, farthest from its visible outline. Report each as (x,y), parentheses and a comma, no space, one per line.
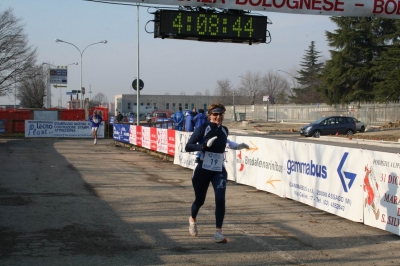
(183,158)
(61,129)
(230,161)
(246,172)
(146,137)
(381,191)
(353,8)
(132,134)
(326,177)
(162,140)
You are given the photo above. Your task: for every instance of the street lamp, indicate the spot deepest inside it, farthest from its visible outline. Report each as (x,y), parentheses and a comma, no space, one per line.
(81,53)
(48,93)
(233,107)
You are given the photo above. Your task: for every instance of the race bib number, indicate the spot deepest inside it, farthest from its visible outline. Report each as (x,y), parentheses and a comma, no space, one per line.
(96,120)
(213,161)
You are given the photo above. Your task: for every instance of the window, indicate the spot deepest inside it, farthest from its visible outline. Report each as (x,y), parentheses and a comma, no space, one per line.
(148,104)
(180,105)
(173,104)
(141,104)
(134,104)
(129,106)
(186,105)
(192,105)
(167,106)
(205,108)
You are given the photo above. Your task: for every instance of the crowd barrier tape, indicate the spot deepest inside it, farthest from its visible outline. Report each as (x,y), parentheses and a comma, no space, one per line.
(61,129)
(356,184)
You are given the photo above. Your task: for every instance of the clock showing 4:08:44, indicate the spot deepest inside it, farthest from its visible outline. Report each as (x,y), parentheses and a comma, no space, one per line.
(207,26)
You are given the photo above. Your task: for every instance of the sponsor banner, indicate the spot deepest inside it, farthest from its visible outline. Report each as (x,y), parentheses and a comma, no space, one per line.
(326,177)
(230,161)
(381,181)
(153,138)
(2,126)
(171,142)
(352,8)
(132,135)
(146,137)
(259,167)
(61,129)
(121,132)
(183,158)
(162,140)
(139,136)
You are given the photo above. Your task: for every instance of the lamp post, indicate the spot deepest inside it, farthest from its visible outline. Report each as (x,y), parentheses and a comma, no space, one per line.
(81,53)
(49,87)
(233,107)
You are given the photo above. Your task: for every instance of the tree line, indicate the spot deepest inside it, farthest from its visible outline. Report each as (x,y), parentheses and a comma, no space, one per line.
(20,74)
(364,67)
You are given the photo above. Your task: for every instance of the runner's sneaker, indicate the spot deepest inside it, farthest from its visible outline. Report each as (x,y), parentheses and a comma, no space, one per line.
(219,237)
(95,141)
(192,228)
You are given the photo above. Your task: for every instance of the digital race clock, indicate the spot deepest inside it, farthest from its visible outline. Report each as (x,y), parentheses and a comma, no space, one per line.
(207,26)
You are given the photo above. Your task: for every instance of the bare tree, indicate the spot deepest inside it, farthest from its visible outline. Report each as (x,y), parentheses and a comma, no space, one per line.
(16,57)
(98,99)
(274,86)
(32,89)
(251,85)
(224,88)
(198,93)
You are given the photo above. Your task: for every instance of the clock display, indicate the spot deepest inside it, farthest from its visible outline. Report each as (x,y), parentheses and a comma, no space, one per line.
(205,26)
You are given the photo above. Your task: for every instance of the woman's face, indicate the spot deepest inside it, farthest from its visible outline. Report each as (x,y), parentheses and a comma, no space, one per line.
(217,118)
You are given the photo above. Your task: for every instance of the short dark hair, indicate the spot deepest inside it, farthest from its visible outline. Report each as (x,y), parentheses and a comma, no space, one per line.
(180,108)
(201,111)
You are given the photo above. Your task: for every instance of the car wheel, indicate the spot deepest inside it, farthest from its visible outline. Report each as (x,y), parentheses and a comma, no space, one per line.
(362,129)
(349,132)
(317,134)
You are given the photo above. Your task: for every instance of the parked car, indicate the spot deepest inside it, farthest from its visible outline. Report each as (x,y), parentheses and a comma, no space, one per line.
(359,125)
(158,117)
(330,125)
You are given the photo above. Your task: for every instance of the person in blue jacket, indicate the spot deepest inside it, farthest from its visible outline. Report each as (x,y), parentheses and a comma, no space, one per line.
(178,119)
(210,140)
(95,119)
(199,119)
(189,122)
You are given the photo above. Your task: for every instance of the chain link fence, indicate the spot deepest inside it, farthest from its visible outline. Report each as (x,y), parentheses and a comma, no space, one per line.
(370,114)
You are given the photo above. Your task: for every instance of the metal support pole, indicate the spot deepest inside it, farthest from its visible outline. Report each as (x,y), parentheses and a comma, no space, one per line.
(137,74)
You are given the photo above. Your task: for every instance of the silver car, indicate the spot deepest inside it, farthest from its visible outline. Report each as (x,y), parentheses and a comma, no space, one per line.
(359,125)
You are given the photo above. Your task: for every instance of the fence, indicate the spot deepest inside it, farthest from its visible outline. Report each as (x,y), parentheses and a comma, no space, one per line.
(15,118)
(371,115)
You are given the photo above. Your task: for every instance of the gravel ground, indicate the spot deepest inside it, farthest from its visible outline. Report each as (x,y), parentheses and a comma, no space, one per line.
(371,133)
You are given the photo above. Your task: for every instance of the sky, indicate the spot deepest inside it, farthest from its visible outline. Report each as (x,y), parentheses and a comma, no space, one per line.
(165,65)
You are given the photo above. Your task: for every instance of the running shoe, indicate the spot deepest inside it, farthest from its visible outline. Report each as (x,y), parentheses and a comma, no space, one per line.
(192,228)
(95,141)
(219,238)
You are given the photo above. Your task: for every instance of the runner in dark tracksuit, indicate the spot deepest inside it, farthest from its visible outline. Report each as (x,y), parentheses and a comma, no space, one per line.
(210,140)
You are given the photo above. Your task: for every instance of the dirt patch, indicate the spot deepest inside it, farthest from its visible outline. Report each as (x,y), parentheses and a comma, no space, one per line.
(387,132)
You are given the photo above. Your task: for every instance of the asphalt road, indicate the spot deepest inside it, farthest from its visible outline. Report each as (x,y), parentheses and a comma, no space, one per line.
(69,202)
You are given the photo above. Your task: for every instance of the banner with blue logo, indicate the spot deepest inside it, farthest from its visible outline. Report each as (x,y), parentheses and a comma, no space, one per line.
(2,126)
(121,132)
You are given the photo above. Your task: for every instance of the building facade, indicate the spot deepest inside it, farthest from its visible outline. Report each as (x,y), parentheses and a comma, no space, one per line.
(127,103)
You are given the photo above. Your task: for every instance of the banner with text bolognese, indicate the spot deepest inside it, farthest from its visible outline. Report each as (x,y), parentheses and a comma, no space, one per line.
(329,178)
(351,8)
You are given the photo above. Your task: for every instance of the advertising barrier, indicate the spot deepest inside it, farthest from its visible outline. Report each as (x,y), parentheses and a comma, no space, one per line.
(355,184)
(61,129)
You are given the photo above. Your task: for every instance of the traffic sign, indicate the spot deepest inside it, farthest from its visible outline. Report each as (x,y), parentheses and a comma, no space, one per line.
(134,84)
(58,76)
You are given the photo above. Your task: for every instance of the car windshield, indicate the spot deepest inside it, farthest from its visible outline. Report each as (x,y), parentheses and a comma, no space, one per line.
(318,121)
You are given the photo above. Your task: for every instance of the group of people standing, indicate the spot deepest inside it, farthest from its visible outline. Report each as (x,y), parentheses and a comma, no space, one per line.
(190,120)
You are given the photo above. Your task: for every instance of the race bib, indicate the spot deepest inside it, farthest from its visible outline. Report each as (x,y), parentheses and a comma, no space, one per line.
(96,120)
(213,161)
